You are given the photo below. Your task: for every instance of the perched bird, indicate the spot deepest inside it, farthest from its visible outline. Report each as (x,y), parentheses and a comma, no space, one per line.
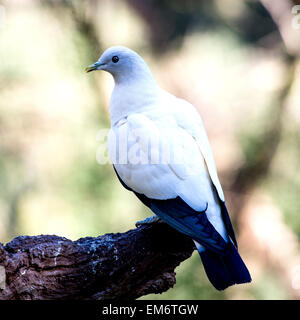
(160,151)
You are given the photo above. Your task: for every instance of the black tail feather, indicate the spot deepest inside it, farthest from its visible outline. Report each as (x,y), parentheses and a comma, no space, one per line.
(227,270)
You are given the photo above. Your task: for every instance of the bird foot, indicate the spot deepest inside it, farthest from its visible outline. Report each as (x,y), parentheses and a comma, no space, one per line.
(149,220)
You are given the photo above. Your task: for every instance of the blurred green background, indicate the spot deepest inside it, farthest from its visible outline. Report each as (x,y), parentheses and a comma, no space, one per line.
(236,61)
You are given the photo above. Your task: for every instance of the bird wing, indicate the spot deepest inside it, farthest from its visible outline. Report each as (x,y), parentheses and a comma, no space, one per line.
(179,192)
(164,160)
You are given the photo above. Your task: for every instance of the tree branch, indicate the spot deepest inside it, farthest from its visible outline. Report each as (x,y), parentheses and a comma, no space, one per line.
(113,266)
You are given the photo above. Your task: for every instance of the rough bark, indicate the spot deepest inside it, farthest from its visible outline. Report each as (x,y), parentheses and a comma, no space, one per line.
(113,266)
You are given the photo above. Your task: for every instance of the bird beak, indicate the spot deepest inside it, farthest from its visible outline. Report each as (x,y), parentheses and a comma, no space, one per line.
(94,66)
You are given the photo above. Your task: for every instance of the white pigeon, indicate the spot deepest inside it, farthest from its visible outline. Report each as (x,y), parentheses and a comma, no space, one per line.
(161,152)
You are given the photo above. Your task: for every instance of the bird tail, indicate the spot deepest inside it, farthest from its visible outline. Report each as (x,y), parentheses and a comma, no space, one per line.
(225,270)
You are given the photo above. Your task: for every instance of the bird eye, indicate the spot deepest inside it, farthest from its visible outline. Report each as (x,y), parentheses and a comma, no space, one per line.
(115,59)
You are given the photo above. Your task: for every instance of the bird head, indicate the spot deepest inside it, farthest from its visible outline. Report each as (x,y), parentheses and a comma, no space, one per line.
(121,62)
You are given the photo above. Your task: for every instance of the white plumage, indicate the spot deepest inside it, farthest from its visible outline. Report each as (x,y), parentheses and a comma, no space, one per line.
(180,129)
(160,150)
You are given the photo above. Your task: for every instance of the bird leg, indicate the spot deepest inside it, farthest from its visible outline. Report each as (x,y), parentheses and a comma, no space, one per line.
(148,220)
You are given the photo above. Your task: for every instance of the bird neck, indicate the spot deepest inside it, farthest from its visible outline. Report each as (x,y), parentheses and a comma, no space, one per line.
(133,95)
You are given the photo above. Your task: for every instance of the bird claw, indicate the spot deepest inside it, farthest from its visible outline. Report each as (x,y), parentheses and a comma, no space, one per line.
(149,220)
